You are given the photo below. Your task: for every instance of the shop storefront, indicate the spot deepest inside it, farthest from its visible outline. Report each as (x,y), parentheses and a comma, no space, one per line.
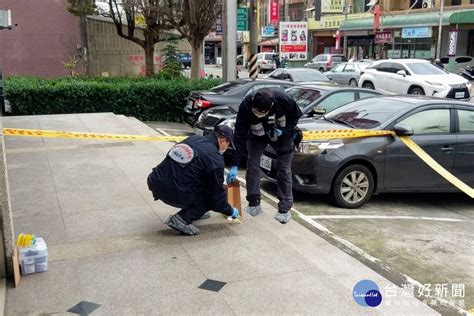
(360,45)
(415,35)
(412,42)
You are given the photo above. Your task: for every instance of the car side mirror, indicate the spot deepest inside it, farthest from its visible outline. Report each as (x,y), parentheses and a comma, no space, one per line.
(403,130)
(402,73)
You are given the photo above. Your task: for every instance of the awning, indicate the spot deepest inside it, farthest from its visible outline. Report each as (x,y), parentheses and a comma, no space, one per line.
(272,42)
(411,20)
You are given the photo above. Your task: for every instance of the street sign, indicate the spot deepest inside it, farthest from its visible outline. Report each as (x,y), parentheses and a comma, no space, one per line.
(268,31)
(242,19)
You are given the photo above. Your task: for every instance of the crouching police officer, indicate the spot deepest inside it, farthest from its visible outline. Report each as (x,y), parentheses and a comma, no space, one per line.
(191,177)
(267,117)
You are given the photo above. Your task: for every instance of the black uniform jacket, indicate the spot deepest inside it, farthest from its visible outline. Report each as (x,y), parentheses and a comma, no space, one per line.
(192,173)
(284,115)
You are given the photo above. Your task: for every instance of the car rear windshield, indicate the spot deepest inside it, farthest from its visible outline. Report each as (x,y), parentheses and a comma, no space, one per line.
(225,87)
(339,59)
(304,96)
(268,57)
(367,114)
(308,75)
(425,69)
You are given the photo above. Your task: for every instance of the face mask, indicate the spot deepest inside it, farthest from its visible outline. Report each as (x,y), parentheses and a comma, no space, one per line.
(222,151)
(259,114)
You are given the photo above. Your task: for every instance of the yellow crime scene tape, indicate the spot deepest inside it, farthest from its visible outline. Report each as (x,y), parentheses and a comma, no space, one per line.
(307,135)
(77,135)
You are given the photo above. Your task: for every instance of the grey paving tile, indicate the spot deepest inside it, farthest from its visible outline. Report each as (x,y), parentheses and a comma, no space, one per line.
(300,292)
(26,202)
(24,184)
(110,280)
(49,292)
(244,257)
(104,198)
(16,142)
(112,222)
(194,302)
(50,227)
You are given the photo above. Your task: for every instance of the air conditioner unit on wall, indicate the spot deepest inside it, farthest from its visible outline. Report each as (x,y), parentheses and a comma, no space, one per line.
(427,4)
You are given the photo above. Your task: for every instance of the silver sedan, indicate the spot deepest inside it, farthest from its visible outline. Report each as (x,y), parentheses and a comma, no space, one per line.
(347,73)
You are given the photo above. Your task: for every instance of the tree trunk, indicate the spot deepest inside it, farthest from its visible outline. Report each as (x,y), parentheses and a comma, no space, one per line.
(196,62)
(85,45)
(149,56)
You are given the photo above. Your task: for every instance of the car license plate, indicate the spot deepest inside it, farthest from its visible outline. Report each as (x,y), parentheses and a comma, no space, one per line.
(198,131)
(266,163)
(459,95)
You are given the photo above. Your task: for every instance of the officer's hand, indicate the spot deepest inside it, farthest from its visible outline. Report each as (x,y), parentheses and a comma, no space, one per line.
(232,175)
(235,213)
(274,134)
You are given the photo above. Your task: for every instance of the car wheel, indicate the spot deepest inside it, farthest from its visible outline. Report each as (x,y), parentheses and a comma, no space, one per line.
(259,70)
(416,91)
(352,187)
(321,69)
(353,83)
(368,85)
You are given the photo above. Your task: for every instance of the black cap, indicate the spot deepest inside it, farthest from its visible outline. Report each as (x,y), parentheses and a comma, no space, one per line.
(263,100)
(227,132)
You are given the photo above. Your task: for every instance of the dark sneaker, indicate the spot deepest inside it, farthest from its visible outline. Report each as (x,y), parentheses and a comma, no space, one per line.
(177,223)
(205,216)
(283,217)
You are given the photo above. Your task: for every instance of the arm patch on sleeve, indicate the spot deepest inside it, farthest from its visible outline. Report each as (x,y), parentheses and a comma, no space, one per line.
(181,153)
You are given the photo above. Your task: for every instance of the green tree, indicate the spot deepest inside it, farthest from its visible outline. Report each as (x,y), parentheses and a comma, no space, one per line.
(171,63)
(139,21)
(193,19)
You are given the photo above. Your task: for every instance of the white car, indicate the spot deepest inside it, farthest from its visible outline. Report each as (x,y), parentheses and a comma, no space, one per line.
(414,76)
(265,62)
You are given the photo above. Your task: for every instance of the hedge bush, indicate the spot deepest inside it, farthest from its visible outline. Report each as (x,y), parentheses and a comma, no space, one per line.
(154,99)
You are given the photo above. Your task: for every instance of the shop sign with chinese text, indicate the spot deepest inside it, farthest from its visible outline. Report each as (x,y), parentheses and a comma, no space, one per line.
(382,37)
(293,37)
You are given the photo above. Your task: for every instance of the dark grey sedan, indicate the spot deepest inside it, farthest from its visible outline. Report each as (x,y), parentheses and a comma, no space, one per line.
(351,170)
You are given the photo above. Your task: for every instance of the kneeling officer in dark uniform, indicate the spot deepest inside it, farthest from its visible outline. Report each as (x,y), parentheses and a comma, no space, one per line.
(191,177)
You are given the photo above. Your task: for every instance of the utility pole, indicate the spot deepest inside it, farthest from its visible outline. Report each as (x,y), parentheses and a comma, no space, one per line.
(440,30)
(253,40)
(229,65)
(344,52)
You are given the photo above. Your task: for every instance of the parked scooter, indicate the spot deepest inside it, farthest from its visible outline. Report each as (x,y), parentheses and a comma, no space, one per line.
(467,73)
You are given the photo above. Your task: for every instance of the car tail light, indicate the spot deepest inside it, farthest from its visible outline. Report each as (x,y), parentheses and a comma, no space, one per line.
(202,104)
(264,61)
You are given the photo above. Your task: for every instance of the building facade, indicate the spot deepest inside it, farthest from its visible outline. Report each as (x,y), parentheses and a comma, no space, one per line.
(408,28)
(44,38)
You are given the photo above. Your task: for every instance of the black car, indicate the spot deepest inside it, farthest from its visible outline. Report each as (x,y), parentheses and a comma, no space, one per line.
(351,170)
(185,59)
(229,93)
(314,100)
(302,75)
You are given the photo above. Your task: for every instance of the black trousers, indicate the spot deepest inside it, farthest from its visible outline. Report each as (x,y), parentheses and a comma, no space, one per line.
(194,211)
(193,205)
